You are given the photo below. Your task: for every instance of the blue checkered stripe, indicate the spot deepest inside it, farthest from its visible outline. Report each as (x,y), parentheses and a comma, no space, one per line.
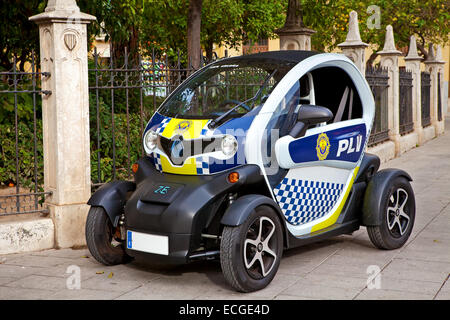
(202,164)
(157,161)
(303,201)
(162,125)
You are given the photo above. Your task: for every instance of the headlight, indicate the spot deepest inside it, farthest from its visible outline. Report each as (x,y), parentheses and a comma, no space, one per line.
(229,145)
(150,139)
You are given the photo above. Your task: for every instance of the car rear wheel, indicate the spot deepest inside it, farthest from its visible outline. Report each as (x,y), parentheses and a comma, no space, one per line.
(398,215)
(250,254)
(103,240)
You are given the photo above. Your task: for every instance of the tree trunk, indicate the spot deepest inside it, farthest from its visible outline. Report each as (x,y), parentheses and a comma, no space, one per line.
(371,59)
(193,32)
(209,51)
(132,45)
(423,51)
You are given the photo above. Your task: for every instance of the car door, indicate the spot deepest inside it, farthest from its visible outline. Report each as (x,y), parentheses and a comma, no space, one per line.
(316,171)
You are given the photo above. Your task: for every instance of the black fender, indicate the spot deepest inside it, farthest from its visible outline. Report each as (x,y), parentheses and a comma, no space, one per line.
(368,167)
(372,206)
(238,212)
(112,197)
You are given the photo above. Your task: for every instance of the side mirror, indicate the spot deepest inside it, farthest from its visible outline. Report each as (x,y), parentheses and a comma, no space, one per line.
(309,115)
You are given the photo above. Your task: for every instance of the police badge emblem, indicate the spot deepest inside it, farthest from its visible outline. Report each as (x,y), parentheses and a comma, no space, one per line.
(323,146)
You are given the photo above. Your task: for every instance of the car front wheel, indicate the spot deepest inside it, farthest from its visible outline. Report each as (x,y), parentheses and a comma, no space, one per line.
(397,218)
(250,254)
(103,240)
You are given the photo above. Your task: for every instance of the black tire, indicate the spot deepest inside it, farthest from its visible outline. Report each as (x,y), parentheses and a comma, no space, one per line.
(100,239)
(233,245)
(398,202)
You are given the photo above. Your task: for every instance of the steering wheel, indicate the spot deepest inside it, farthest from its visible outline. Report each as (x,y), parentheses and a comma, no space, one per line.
(231,101)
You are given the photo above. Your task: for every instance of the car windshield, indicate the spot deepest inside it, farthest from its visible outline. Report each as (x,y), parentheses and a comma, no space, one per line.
(222,86)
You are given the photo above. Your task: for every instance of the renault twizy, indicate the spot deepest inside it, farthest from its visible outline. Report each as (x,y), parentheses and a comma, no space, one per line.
(249,156)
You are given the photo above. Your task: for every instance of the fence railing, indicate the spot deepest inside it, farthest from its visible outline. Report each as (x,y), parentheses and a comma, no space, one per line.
(123,96)
(21,155)
(439,102)
(405,99)
(425,80)
(377,79)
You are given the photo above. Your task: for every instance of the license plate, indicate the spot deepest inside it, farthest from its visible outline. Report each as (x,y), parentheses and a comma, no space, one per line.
(149,243)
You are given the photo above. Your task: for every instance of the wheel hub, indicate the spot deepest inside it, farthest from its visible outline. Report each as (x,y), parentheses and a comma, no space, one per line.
(260,247)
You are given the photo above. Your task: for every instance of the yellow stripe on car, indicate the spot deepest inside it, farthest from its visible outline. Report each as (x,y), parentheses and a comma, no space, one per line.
(333,218)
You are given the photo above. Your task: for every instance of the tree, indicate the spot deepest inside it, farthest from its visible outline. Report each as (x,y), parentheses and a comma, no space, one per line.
(120,20)
(18,36)
(226,22)
(232,22)
(428,19)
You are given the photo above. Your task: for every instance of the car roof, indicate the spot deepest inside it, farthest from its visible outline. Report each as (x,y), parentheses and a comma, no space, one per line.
(294,56)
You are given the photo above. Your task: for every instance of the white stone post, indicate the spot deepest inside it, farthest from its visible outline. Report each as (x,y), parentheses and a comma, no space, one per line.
(65,113)
(412,61)
(353,47)
(435,65)
(389,60)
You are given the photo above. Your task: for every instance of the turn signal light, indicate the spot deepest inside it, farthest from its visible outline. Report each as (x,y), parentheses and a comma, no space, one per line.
(135,167)
(233,177)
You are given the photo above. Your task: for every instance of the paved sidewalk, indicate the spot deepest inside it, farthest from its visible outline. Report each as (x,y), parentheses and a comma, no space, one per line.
(331,269)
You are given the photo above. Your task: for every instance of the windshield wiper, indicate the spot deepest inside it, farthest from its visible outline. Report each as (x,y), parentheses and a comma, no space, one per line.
(220,119)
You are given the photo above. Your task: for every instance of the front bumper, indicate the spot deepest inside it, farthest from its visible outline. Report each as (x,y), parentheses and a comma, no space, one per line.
(181,207)
(178,250)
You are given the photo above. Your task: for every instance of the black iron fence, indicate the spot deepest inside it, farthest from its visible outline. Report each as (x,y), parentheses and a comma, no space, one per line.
(377,78)
(405,103)
(21,158)
(439,102)
(123,95)
(425,80)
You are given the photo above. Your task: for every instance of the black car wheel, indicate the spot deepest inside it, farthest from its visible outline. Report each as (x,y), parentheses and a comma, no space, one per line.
(103,240)
(398,215)
(250,253)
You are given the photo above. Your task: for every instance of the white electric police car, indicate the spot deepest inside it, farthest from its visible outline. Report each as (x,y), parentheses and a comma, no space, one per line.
(250,156)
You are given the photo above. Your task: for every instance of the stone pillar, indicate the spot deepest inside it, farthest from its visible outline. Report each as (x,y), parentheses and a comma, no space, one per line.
(389,60)
(435,65)
(294,35)
(353,47)
(412,61)
(65,113)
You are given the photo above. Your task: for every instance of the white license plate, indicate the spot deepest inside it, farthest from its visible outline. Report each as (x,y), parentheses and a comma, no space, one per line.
(145,242)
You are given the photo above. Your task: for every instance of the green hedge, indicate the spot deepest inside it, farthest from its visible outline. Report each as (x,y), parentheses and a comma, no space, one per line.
(25,153)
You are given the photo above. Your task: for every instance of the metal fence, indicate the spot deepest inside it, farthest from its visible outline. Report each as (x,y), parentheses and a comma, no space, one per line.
(439,97)
(377,78)
(405,107)
(21,158)
(123,95)
(425,80)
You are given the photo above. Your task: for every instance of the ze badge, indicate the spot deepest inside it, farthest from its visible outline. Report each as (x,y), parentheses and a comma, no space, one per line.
(162,190)
(348,145)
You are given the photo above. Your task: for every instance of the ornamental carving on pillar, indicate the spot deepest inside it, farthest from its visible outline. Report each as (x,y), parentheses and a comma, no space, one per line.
(70,40)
